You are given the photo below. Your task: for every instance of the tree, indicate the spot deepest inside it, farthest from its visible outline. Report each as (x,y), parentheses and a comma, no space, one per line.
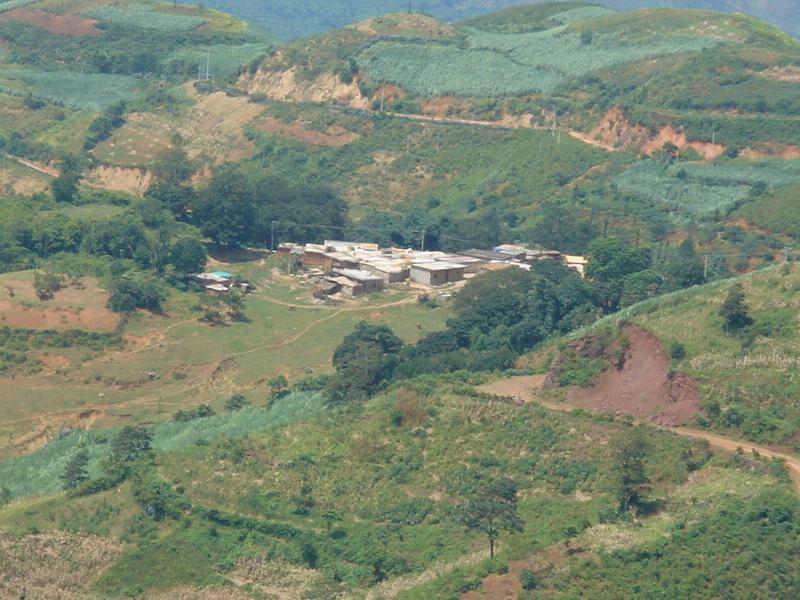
(46,284)
(226,211)
(632,481)
(236,403)
(77,470)
(64,187)
(188,255)
(278,387)
(492,509)
(364,360)
(130,445)
(735,310)
(140,292)
(173,166)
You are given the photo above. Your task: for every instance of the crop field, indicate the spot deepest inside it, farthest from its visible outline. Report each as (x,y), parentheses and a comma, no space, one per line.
(494,64)
(705,188)
(37,474)
(146,16)
(86,91)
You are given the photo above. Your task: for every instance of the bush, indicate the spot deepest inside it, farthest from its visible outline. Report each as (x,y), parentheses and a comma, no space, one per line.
(136,292)
(528,580)
(677,351)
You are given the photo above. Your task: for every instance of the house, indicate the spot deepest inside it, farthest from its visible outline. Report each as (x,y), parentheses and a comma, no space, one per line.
(511,251)
(436,273)
(391,271)
(367,281)
(576,262)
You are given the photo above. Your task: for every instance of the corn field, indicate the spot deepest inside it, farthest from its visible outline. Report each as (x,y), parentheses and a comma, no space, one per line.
(145,17)
(495,64)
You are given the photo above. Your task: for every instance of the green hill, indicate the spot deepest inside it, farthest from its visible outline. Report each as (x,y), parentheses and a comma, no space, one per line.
(300,19)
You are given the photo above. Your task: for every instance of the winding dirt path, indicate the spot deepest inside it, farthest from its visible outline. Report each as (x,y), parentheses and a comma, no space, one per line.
(508,126)
(525,389)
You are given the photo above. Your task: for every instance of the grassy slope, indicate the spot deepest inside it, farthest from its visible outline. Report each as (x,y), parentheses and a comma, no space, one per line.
(199,363)
(391,472)
(747,382)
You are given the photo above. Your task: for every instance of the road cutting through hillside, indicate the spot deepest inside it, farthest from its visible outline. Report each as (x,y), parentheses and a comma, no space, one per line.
(525,388)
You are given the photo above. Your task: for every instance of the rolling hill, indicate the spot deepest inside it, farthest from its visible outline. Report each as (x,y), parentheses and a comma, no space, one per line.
(292,20)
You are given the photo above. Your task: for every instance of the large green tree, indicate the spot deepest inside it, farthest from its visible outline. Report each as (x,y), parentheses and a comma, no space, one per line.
(492,510)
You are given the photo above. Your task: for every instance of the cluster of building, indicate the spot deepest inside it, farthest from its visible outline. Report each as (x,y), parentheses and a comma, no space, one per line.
(353,268)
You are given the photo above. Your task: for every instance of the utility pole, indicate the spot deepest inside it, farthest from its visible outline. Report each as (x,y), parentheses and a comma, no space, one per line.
(383,95)
(208,65)
(272,236)
(705,266)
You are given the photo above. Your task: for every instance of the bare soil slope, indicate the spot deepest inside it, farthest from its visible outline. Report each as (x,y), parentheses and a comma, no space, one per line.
(643,387)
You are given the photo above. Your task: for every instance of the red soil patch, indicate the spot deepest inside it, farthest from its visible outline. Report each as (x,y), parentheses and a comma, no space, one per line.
(67,24)
(56,317)
(335,136)
(772,151)
(642,387)
(615,131)
(445,106)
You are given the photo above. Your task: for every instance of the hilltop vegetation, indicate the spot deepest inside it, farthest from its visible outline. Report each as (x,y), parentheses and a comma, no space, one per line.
(300,19)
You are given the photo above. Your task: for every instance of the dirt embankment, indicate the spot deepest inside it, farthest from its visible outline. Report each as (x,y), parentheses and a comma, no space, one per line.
(121,179)
(285,85)
(615,130)
(641,384)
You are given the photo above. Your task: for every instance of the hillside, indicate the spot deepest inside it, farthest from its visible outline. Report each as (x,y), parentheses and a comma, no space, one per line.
(740,383)
(300,19)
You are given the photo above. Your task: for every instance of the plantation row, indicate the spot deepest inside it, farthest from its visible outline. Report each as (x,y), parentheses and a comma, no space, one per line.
(705,188)
(85,91)
(144,16)
(495,64)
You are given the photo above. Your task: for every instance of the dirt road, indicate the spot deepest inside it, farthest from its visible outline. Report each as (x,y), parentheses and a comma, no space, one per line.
(578,135)
(525,388)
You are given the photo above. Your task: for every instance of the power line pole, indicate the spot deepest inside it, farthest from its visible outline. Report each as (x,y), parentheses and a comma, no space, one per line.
(272,236)
(705,267)
(208,65)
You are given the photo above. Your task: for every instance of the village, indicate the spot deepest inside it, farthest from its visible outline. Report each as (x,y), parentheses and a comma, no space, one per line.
(345,269)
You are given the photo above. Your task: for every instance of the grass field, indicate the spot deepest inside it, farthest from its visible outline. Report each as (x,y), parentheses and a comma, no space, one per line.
(195,362)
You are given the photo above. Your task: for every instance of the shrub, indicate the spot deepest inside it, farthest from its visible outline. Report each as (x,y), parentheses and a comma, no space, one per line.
(677,351)
(528,580)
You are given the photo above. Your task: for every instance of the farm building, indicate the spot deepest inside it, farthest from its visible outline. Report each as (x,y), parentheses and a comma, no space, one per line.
(369,283)
(391,271)
(436,273)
